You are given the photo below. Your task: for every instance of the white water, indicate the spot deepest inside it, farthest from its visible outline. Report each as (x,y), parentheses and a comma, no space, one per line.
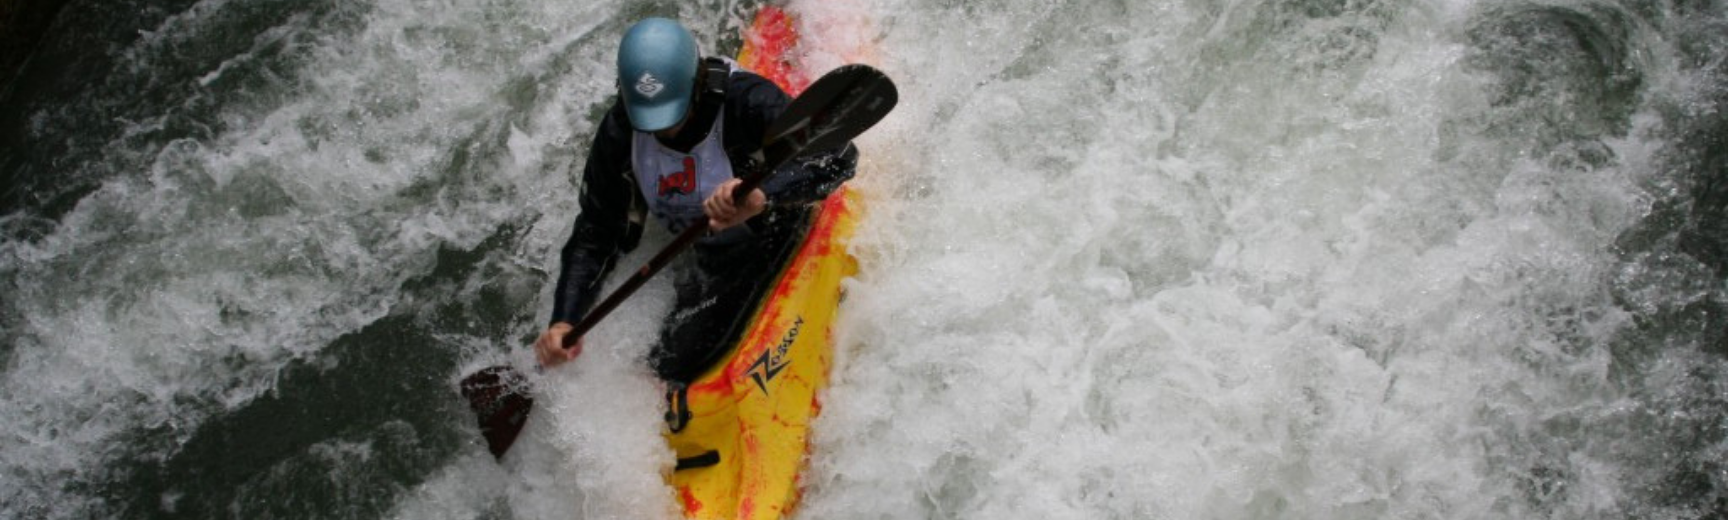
(1138,260)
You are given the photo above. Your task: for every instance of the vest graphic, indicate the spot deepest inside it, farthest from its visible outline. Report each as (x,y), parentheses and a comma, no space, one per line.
(681,182)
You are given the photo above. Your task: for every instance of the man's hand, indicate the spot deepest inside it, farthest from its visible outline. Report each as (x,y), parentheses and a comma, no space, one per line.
(550,346)
(723,213)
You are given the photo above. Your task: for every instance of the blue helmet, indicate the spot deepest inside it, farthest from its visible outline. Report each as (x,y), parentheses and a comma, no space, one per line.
(657,73)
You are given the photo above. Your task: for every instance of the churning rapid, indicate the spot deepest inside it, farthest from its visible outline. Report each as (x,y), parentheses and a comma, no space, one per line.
(1199,259)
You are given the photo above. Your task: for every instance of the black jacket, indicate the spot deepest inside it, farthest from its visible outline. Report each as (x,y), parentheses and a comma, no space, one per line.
(613,210)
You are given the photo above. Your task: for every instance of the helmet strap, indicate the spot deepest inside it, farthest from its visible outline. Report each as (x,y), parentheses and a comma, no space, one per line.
(711,79)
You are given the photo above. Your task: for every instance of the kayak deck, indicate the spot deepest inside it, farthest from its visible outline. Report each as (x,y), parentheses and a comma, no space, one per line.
(740,430)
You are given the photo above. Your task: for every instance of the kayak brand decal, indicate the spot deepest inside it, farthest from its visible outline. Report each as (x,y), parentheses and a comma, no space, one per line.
(772,361)
(680,183)
(648,85)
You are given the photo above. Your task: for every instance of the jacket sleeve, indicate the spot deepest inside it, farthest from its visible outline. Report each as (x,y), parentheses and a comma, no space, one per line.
(752,104)
(603,229)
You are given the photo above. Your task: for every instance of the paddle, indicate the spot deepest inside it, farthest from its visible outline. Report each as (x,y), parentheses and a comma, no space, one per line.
(831,112)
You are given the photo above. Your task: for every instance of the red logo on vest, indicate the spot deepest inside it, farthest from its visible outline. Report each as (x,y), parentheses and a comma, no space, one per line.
(681,182)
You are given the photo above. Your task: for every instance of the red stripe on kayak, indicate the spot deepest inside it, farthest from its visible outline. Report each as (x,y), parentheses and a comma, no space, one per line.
(770,42)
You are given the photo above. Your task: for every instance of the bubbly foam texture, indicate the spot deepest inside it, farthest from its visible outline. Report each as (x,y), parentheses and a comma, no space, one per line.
(179,290)
(1130,260)
(1237,261)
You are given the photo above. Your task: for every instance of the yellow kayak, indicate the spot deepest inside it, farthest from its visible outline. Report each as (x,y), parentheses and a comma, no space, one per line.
(741,429)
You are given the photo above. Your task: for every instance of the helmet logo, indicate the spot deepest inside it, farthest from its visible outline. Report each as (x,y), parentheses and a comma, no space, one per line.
(649,86)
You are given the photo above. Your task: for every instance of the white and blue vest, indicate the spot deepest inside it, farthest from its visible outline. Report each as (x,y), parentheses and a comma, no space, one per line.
(675,183)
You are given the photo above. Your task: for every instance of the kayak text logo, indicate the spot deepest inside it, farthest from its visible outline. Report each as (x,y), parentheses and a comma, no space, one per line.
(772,361)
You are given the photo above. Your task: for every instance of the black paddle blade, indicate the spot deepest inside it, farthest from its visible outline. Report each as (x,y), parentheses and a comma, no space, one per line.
(832,111)
(499,397)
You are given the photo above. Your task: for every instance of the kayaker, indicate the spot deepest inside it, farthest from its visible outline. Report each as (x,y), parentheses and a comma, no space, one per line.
(672,145)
